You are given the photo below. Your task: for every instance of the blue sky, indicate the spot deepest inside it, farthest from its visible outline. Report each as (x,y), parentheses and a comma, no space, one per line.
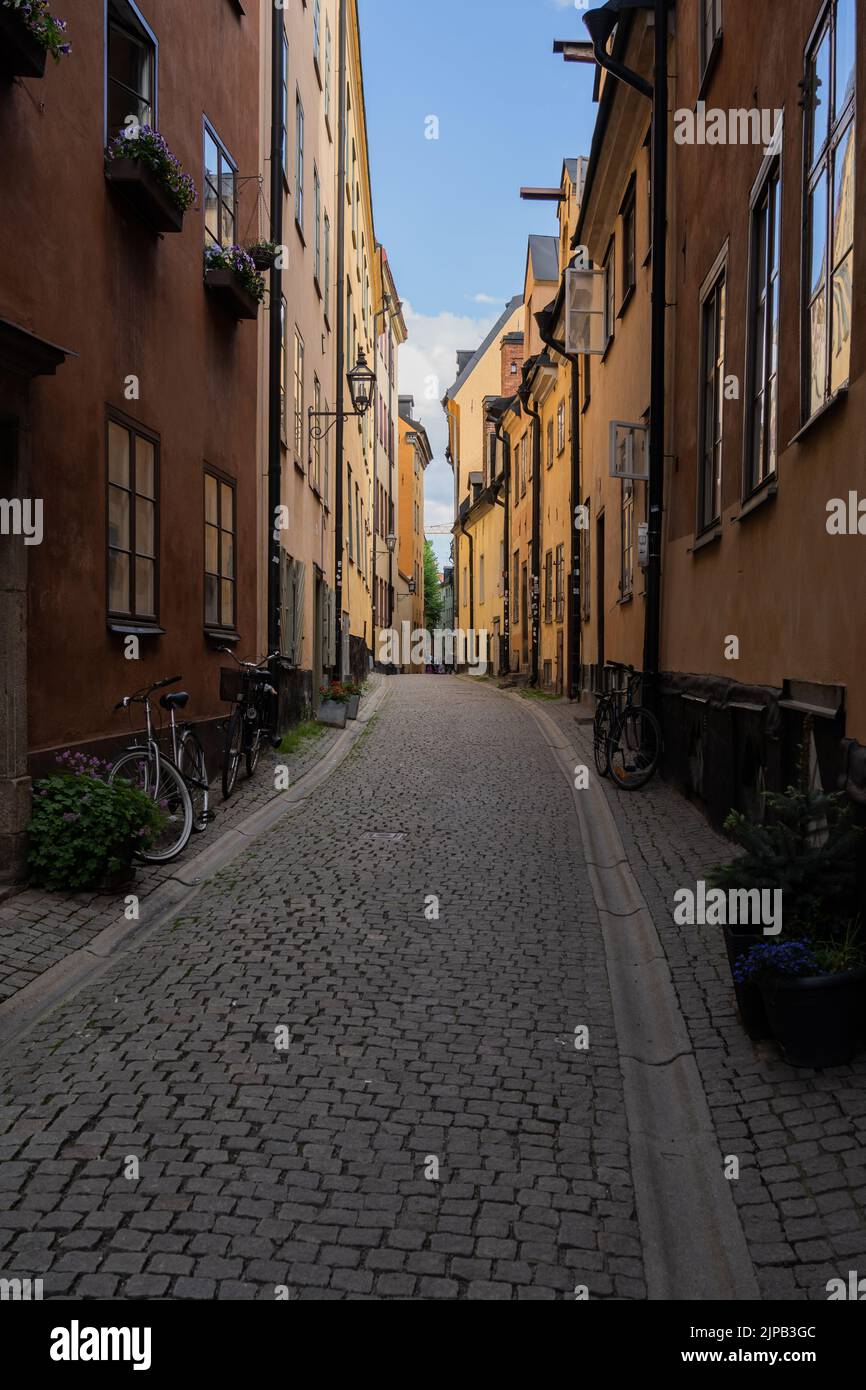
(448,210)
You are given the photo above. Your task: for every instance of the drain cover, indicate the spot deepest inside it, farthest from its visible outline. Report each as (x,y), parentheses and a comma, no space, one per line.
(385,835)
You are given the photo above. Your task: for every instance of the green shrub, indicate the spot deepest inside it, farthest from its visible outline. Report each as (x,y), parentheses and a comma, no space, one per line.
(82,830)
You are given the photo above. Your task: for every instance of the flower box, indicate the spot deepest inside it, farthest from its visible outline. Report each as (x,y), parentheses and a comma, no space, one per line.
(226,287)
(817,1020)
(333,713)
(143,190)
(21,53)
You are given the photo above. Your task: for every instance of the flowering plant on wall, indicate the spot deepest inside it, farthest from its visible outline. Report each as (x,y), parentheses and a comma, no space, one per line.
(49,31)
(236,259)
(147,145)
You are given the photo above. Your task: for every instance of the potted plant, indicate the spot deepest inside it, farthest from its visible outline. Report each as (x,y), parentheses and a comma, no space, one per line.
(139,163)
(84,833)
(353,704)
(808,849)
(263,254)
(815,995)
(230,275)
(28,33)
(333,709)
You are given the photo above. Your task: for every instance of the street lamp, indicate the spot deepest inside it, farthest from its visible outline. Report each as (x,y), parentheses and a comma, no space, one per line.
(362,382)
(391,542)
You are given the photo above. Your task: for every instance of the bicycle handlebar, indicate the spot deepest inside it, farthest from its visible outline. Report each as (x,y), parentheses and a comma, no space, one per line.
(147,690)
(250,665)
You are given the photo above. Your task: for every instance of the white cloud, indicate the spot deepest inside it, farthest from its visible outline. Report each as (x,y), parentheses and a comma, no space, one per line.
(428,367)
(485,299)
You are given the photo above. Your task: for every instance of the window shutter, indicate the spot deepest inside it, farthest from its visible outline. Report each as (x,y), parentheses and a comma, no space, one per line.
(287,611)
(332,628)
(299,595)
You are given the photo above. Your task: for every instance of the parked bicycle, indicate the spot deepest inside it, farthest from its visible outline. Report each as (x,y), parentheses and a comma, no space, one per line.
(627,737)
(252,720)
(178,783)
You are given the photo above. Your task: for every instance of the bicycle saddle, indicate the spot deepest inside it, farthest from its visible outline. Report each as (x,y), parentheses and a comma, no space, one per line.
(179,700)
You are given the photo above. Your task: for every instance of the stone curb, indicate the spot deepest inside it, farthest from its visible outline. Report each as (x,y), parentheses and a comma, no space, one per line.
(693,1242)
(25,1008)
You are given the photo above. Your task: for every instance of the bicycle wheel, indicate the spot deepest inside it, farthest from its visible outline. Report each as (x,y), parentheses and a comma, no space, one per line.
(233,749)
(602,729)
(194,772)
(170,793)
(635,748)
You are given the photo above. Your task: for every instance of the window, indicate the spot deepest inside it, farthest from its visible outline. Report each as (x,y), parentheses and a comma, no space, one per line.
(711,28)
(284,369)
(326,288)
(317,231)
(354,194)
(481,579)
(523,466)
(560,427)
(550,443)
(284,106)
(829,206)
(628,244)
(357,525)
(299,163)
(220,192)
(712,397)
(317,31)
(763,347)
(560,583)
(627,579)
(133,476)
(609,291)
(326,473)
(131,68)
(328,67)
(316,463)
(548,587)
(219,552)
(299,397)
(515,589)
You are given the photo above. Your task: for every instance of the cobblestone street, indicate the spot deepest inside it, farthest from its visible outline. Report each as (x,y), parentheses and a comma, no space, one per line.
(430,1130)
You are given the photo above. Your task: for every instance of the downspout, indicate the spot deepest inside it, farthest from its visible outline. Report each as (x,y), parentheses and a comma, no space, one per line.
(341,342)
(536,527)
(275,339)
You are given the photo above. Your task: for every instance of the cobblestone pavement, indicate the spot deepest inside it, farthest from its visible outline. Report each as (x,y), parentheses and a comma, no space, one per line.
(38,929)
(800,1135)
(412,1043)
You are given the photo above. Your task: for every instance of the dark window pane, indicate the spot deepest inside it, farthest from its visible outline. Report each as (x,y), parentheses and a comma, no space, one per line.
(818,234)
(118,582)
(843,195)
(145,531)
(118,518)
(211,600)
(118,454)
(211,549)
(145,467)
(145,588)
(821,100)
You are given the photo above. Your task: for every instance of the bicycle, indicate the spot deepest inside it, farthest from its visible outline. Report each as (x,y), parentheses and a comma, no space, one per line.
(145,767)
(248,689)
(627,737)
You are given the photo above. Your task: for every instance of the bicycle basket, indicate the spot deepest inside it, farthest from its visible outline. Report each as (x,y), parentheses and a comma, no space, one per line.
(231,684)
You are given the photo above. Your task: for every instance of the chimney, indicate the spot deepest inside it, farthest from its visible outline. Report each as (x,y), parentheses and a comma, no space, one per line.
(512,362)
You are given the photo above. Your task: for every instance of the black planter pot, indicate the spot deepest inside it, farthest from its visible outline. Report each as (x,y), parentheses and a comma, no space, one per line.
(226,287)
(820,1020)
(750,1001)
(21,53)
(264,260)
(141,188)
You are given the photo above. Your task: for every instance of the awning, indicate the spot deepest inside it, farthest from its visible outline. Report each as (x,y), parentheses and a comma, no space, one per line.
(23,354)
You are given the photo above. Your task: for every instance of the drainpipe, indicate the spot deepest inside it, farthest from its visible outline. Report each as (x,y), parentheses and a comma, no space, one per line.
(275,335)
(341,340)
(601,23)
(536,529)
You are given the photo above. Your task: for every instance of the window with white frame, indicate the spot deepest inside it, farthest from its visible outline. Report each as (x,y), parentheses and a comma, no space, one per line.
(763,326)
(713,308)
